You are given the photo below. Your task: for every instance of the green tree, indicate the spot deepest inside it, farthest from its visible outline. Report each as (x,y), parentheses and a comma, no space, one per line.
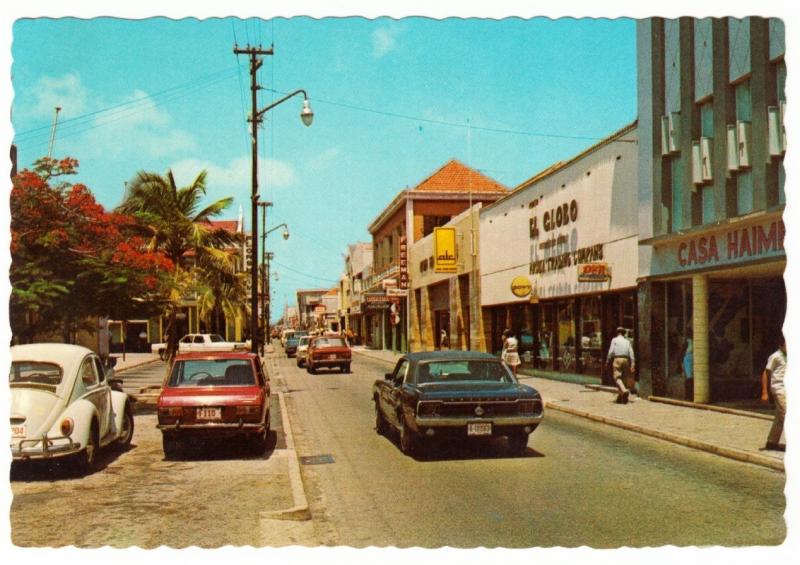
(177,224)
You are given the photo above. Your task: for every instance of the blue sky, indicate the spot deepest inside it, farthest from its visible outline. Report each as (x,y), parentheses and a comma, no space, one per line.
(392,102)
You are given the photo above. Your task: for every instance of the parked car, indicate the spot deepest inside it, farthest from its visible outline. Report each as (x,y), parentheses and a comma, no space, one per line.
(328,351)
(291,342)
(201,342)
(455,394)
(219,394)
(302,350)
(65,403)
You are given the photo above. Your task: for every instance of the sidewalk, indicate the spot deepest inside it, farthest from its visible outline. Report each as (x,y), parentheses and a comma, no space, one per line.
(733,434)
(132,360)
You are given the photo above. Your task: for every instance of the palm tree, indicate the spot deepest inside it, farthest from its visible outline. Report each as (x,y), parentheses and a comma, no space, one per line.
(176,223)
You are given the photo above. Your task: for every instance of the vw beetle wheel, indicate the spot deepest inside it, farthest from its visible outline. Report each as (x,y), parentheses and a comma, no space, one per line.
(87,459)
(126,433)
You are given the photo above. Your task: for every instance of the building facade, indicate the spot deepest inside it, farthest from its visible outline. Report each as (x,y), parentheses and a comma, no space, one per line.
(410,216)
(357,265)
(309,308)
(711,98)
(558,261)
(447,302)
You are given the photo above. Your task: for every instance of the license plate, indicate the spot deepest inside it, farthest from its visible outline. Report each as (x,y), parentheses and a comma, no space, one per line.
(479,429)
(18,431)
(331,356)
(206,413)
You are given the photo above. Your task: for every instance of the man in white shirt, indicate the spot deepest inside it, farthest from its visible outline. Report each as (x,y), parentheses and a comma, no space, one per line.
(775,371)
(623,362)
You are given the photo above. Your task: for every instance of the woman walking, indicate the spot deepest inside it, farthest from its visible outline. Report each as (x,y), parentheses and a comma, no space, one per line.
(510,352)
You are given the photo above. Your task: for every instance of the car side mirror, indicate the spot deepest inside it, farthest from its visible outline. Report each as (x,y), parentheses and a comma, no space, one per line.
(388,376)
(115,384)
(111,362)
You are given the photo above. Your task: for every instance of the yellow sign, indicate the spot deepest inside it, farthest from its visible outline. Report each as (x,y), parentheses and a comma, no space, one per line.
(444,250)
(521,286)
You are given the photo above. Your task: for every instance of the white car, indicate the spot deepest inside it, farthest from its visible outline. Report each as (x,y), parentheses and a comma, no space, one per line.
(65,403)
(302,350)
(200,342)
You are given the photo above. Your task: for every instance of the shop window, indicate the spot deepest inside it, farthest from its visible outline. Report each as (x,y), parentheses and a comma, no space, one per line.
(591,336)
(679,327)
(546,337)
(566,337)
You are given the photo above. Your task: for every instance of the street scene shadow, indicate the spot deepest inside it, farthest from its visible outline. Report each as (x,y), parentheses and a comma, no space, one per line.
(220,449)
(64,468)
(495,448)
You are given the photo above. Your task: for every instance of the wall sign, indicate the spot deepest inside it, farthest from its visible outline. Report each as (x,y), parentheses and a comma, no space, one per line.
(733,246)
(444,250)
(593,272)
(589,254)
(521,286)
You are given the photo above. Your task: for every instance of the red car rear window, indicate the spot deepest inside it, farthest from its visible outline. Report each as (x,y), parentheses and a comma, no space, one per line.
(212,372)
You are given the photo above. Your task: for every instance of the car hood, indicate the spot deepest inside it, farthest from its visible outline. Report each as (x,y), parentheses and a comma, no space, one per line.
(465,389)
(39,409)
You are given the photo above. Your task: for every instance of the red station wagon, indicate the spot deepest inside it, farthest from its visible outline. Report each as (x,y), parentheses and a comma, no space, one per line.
(328,351)
(219,394)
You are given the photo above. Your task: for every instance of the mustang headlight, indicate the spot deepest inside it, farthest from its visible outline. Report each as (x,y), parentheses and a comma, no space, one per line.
(67,426)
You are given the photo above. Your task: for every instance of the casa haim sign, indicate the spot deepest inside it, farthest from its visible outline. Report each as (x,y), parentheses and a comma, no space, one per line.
(733,246)
(444,250)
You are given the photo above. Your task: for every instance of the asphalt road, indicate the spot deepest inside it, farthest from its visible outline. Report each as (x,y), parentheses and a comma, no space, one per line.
(581,483)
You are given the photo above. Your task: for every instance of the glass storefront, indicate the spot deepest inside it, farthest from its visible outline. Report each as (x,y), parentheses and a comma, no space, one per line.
(570,335)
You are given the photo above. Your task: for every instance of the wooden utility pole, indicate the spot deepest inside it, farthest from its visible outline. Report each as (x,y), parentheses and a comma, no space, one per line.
(255,63)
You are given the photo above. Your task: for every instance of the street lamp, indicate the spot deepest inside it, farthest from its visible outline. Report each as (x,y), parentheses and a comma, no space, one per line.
(307,116)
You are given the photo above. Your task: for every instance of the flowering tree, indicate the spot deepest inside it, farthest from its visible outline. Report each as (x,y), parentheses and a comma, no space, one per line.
(71,259)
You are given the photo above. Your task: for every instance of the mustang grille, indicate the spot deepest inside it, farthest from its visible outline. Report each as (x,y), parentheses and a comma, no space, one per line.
(491,408)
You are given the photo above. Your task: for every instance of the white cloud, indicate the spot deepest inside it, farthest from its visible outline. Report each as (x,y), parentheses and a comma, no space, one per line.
(324,159)
(235,176)
(384,40)
(66,92)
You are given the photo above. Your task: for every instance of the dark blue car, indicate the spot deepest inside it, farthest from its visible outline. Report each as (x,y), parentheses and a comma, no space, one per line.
(455,394)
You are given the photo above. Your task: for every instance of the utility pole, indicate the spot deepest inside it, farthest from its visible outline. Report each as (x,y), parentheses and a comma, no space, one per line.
(255,118)
(53,133)
(264,205)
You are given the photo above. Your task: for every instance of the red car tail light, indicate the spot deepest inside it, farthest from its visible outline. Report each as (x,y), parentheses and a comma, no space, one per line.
(171,411)
(248,410)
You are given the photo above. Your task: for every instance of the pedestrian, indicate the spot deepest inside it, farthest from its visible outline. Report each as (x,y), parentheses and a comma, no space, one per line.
(510,354)
(444,341)
(688,365)
(623,363)
(774,373)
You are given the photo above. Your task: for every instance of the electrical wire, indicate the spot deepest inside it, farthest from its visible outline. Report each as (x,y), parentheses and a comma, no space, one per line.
(274,262)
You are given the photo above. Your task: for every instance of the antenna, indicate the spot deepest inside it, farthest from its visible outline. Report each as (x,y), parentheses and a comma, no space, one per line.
(53,133)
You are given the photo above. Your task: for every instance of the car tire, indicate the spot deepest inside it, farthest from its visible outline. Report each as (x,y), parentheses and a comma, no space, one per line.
(299,364)
(409,441)
(171,446)
(311,369)
(126,433)
(87,459)
(518,444)
(346,368)
(380,422)
(258,442)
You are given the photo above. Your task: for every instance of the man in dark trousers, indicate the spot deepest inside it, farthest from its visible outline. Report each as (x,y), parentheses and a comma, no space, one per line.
(622,362)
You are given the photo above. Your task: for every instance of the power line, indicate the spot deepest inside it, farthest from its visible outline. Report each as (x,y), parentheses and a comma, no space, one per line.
(302,273)
(453,124)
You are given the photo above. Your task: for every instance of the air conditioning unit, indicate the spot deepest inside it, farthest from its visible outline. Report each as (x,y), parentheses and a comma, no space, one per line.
(705,156)
(776,130)
(670,133)
(733,149)
(697,169)
(743,131)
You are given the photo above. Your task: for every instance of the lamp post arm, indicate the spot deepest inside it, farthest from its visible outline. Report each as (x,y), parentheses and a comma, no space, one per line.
(266,109)
(269,231)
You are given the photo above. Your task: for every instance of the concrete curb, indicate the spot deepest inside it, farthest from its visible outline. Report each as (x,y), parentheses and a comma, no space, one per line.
(299,510)
(710,407)
(728,452)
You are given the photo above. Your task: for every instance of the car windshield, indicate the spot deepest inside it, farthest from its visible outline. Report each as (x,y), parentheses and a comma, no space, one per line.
(216,338)
(329,342)
(211,372)
(461,370)
(304,340)
(35,373)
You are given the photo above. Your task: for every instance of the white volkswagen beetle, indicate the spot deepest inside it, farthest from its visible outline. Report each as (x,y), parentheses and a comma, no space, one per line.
(63,402)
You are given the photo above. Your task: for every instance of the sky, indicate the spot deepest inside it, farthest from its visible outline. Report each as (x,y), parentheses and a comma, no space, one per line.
(394,100)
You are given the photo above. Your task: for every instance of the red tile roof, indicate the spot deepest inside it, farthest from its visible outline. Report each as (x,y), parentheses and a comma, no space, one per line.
(228,225)
(457,177)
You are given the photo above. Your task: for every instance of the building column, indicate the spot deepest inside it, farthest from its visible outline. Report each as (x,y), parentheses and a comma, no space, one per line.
(414,342)
(702,381)
(476,336)
(426,331)
(456,335)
